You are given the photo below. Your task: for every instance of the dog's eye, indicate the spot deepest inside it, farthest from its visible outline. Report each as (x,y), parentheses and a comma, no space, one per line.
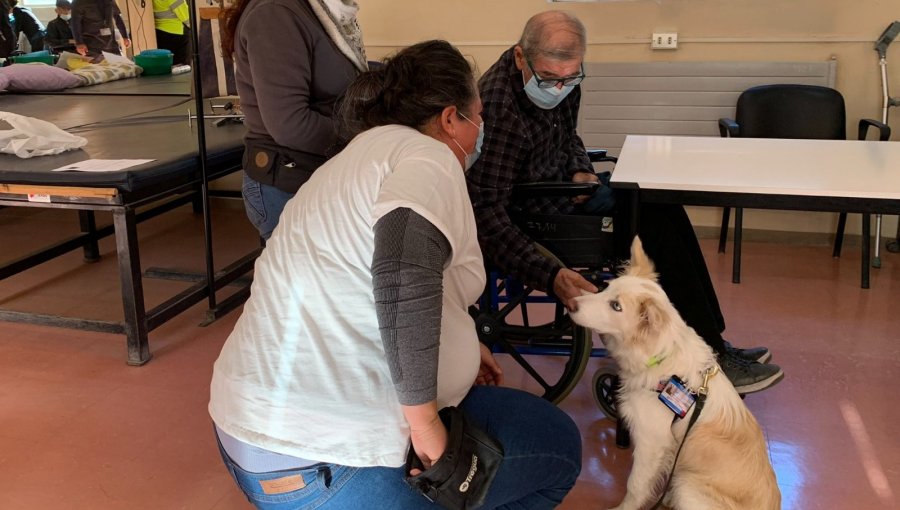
(615,305)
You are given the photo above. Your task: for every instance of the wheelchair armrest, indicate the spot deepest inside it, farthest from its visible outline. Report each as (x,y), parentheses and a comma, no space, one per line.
(884,131)
(728,128)
(553,189)
(600,155)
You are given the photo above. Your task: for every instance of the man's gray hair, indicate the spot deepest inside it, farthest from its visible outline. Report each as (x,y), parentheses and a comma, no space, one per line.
(535,35)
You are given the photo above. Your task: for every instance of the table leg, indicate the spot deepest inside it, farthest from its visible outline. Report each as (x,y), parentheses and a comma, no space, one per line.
(738,239)
(866,234)
(89,226)
(132,286)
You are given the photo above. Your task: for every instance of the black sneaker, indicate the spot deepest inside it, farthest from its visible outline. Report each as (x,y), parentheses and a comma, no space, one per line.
(749,376)
(757,354)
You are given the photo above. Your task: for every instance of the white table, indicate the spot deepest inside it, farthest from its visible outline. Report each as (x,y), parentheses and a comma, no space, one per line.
(810,175)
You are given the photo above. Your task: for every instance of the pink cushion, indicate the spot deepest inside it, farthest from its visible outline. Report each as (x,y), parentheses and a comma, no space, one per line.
(4,82)
(37,76)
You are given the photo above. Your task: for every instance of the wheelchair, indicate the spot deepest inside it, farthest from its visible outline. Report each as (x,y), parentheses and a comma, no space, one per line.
(508,325)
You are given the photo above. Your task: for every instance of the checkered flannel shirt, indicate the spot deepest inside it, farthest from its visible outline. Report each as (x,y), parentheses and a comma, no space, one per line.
(522,144)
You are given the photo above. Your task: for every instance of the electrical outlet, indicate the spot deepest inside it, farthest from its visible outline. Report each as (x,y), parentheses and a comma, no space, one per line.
(666,41)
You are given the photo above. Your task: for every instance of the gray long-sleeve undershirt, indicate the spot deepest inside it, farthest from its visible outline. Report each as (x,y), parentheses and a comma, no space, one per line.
(407,278)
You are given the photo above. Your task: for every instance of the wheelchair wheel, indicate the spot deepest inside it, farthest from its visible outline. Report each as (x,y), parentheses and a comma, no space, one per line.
(552,357)
(604,388)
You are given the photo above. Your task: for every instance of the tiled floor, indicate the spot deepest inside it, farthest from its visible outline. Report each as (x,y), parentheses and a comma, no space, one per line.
(81,430)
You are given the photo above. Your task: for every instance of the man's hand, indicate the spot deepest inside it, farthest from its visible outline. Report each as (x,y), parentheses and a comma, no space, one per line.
(583,177)
(81,49)
(126,42)
(569,285)
(489,373)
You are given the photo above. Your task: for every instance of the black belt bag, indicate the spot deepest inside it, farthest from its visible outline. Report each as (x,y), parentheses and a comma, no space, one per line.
(460,479)
(269,163)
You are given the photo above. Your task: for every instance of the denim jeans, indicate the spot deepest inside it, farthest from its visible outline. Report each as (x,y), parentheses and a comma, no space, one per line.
(542,460)
(263,204)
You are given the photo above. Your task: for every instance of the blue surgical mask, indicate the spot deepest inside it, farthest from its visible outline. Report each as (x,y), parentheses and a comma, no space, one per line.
(472,158)
(546,99)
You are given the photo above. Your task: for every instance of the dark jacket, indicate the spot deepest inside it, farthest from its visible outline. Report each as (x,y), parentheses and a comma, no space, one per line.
(28,24)
(289,74)
(59,34)
(8,41)
(93,24)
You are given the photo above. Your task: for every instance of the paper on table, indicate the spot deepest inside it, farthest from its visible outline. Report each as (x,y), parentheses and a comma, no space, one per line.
(112,58)
(102,165)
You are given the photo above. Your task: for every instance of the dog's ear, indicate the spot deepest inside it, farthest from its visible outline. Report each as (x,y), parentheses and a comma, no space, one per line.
(652,316)
(640,264)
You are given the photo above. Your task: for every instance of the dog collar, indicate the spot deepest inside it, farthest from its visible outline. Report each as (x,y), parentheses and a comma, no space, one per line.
(708,374)
(655,360)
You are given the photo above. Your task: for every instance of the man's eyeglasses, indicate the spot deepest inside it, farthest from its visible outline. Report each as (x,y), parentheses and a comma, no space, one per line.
(549,83)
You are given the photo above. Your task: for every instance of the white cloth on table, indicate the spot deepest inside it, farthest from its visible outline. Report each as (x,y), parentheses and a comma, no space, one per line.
(35,137)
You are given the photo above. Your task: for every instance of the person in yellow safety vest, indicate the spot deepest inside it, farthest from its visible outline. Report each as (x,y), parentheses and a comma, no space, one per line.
(172,18)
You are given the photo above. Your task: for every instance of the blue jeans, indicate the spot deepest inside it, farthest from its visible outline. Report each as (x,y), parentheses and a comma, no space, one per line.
(263,204)
(542,460)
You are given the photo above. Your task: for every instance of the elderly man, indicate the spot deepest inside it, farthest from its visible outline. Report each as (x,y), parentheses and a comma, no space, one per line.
(531,98)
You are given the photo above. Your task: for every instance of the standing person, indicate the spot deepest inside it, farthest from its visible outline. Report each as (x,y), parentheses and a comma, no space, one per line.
(531,99)
(8,41)
(172,20)
(25,22)
(293,59)
(59,33)
(93,26)
(357,330)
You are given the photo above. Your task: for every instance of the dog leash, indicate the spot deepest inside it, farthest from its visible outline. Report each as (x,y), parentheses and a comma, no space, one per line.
(698,408)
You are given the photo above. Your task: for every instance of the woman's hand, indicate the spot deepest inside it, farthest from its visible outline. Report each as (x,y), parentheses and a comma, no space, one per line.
(427,433)
(489,373)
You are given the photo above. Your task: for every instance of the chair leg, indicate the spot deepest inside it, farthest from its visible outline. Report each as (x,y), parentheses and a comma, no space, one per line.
(723,232)
(738,236)
(839,235)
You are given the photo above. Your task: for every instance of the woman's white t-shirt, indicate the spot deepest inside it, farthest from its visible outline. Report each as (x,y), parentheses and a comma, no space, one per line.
(304,371)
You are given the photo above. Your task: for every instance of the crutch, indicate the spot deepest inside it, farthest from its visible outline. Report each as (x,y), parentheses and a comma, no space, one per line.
(881,46)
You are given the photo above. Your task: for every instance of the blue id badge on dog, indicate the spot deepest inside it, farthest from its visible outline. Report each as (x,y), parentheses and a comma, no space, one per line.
(677,397)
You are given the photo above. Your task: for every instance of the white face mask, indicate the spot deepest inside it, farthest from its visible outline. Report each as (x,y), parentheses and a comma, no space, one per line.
(547,99)
(66,17)
(470,159)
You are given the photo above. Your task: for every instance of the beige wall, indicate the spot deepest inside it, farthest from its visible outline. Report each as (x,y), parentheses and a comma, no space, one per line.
(708,30)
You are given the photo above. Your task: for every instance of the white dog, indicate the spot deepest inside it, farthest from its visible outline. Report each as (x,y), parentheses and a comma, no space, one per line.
(723,464)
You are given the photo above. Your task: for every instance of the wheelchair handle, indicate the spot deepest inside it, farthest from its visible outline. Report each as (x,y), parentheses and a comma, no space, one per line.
(553,189)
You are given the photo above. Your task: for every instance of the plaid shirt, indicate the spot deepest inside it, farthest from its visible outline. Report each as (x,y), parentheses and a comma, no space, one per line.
(522,143)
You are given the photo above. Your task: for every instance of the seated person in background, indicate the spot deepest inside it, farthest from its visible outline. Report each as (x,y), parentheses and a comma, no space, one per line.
(25,22)
(94,24)
(357,329)
(171,19)
(531,98)
(59,34)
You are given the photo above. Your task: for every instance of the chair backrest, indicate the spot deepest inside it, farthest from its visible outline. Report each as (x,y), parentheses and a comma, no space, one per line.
(791,111)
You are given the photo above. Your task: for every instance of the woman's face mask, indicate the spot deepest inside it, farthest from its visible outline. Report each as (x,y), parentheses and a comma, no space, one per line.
(473,157)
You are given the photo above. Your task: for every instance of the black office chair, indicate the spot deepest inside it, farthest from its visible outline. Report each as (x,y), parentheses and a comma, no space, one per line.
(789,111)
